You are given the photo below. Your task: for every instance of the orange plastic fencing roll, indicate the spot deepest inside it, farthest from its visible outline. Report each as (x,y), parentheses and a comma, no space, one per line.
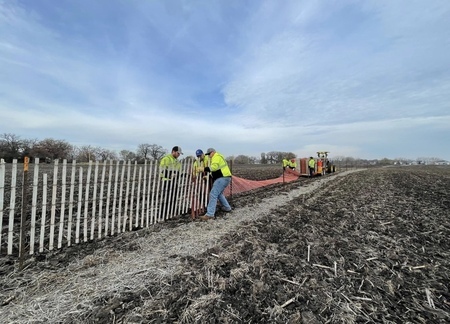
(239,185)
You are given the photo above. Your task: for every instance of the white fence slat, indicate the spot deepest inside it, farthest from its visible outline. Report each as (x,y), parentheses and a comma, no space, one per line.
(150,196)
(94,201)
(138,195)
(86,202)
(34,205)
(151,193)
(100,201)
(53,206)
(127,212)
(144,194)
(131,202)
(116,183)
(186,180)
(2,192)
(12,206)
(158,193)
(126,215)
(71,203)
(44,212)
(80,197)
(108,197)
(63,204)
(120,213)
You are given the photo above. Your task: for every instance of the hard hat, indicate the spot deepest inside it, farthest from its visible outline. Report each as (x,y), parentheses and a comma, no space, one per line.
(198,152)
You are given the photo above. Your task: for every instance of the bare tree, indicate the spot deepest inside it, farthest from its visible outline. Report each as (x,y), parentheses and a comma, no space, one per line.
(127,155)
(87,153)
(275,157)
(155,152)
(12,147)
(263,158)
(51,149)
(105,154)
(244,159)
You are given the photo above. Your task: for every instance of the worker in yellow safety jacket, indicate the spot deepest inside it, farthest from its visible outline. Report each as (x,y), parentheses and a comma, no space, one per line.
(292,164)
(201,161)
(312,166)
(221,176)
(170,169)
(201,188)
(169,165)
(285,163)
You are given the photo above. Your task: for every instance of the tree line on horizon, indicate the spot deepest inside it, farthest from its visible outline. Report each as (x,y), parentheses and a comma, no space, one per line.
(47,150)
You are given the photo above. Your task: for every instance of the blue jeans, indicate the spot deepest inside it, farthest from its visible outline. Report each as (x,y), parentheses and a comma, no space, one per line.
(217,193)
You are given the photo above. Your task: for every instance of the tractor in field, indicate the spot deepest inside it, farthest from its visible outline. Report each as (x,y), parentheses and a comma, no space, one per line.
(324,165)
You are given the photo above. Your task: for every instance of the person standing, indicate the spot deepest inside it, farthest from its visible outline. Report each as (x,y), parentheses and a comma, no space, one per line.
(285,163)
(201,161)
(221,176)
(292,164)
(201,184)
(170,169)
(312,166)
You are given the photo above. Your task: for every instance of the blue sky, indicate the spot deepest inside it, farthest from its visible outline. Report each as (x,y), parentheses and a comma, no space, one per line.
(366,79)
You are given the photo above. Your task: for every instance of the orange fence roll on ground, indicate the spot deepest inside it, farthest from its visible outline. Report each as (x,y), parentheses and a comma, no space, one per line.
(239,185)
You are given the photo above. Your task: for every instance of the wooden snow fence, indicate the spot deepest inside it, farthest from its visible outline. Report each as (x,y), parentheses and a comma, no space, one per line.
(69,203)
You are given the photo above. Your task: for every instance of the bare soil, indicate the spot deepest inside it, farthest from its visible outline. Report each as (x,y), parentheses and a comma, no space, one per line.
(353,247)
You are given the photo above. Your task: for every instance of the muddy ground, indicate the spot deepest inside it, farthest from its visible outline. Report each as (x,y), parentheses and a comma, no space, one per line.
(366,247)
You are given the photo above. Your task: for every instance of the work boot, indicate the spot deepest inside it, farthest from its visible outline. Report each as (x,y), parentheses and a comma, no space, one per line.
(226,210)
(206,218)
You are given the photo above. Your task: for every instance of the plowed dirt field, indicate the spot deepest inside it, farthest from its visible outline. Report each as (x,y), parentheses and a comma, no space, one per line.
(367,246)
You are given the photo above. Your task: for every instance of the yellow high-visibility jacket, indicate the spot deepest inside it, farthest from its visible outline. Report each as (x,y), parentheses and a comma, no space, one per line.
(219,167)
(169,167)
(311,163)
(200,162)
(292,165)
